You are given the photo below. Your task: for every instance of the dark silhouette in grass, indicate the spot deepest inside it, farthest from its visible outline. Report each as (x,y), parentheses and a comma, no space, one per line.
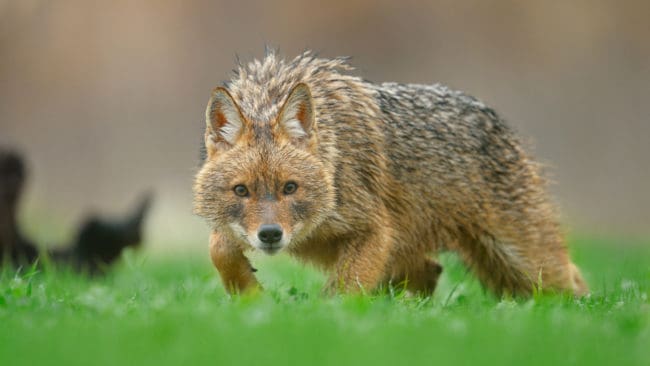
(98,243)
(14,246)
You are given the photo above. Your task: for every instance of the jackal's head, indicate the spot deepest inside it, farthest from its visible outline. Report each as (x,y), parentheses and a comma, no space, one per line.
(263,182)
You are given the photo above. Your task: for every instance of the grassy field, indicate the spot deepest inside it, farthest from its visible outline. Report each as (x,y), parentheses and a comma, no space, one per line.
(152,310)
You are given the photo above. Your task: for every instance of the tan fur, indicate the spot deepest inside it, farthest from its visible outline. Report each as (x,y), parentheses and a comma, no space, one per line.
(387,175)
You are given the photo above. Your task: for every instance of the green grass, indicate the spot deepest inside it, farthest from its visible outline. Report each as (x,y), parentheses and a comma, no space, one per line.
(173,311)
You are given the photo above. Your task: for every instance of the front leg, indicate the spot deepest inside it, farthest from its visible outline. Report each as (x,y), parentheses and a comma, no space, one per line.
(362,263)
(234,268)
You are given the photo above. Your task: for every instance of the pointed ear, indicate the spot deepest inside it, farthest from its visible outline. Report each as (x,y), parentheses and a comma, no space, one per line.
(224,121)
(296,118)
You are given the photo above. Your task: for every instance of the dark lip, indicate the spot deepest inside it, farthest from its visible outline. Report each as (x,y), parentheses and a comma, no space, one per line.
(271,249)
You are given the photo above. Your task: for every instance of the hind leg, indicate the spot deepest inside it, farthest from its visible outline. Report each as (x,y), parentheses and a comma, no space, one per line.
(518,265)
(579,286)
(419,278)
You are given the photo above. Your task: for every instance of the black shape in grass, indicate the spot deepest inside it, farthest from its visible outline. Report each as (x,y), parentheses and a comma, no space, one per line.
(98,243)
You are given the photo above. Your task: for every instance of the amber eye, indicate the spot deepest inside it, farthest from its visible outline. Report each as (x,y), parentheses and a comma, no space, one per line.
(290,187)
(241,190)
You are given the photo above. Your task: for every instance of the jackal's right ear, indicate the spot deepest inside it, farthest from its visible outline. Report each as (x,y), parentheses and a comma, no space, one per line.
(224,120)
(296,118)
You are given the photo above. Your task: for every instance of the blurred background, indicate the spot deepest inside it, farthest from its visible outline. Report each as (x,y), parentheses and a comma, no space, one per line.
(106,99)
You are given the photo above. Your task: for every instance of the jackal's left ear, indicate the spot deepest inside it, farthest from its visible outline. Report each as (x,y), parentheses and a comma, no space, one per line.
(296,118)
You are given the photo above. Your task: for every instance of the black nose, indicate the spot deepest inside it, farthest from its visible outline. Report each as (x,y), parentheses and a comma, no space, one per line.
(270,233)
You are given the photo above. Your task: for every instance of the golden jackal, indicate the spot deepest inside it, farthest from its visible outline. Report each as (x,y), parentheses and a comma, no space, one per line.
(370,180)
